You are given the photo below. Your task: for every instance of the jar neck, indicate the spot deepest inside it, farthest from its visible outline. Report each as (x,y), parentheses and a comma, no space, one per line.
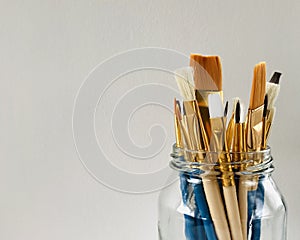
(203,162)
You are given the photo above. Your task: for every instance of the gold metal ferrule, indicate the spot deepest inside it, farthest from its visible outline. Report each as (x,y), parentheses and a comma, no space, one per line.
(193,126)
(178,136)
(254,128)
(230,132)
(269,121)
(264,134)
(218,145)
(239,142)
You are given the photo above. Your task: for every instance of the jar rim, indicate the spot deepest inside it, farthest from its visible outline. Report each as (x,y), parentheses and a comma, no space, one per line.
(246,162)
(262,151)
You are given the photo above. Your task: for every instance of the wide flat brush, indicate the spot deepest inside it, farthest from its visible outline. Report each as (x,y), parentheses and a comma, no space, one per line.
(207,72)
(208,79)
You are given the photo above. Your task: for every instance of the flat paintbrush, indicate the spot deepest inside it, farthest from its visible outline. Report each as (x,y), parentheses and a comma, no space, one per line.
(208,79)
(260,191)
(255,112)
(254,133)
(273,89)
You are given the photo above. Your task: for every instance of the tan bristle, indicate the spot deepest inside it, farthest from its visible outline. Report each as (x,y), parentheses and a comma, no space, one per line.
(258,90)
(207,72)
(185,82)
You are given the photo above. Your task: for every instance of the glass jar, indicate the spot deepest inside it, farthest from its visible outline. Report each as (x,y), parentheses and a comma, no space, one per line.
(195,206)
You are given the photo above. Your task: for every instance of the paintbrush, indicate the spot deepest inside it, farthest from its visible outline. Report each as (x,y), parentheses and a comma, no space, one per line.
(184,79)
(238,148)
(273,89)
(264,126)
(208,79)
(193,227)
(254,133)
(230,127)
(177,125)
(255,112)
(258,195)
(239,135)
(218,145)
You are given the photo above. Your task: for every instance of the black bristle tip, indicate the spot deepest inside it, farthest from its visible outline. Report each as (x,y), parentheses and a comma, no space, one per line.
(265,106)
(275,78)
(238,112)
(226,109)
(184,113)
(178,104)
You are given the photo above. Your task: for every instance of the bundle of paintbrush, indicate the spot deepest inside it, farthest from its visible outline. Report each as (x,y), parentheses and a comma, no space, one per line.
(221,204)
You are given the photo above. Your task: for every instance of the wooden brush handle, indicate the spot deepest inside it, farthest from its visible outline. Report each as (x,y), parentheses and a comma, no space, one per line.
(243,205)
(216,207)
(233,212)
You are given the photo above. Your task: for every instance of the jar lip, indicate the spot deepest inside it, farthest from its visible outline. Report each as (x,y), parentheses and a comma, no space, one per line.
(248,153)
(244,162)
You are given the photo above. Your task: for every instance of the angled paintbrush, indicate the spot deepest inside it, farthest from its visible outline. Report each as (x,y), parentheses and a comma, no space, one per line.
(273,89)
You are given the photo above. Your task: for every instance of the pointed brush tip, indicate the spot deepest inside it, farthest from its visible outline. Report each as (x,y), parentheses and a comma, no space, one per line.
(226,109)
(238,112)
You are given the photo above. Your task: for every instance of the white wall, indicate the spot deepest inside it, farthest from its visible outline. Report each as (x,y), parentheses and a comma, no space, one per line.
(46,50)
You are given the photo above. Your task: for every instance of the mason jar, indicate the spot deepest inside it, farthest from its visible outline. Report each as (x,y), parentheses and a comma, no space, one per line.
(195,208)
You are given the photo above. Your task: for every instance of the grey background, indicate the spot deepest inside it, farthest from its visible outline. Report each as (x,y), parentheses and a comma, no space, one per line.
(46,50)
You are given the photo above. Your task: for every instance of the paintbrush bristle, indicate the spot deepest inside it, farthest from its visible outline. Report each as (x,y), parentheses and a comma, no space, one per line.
(207,72)
(226,109)
(215,106)
(273,92)
(258,90)
(242,113)
(238,112)
(265,106)
(234,102)
(275,78)
(185,81)
(273,89)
